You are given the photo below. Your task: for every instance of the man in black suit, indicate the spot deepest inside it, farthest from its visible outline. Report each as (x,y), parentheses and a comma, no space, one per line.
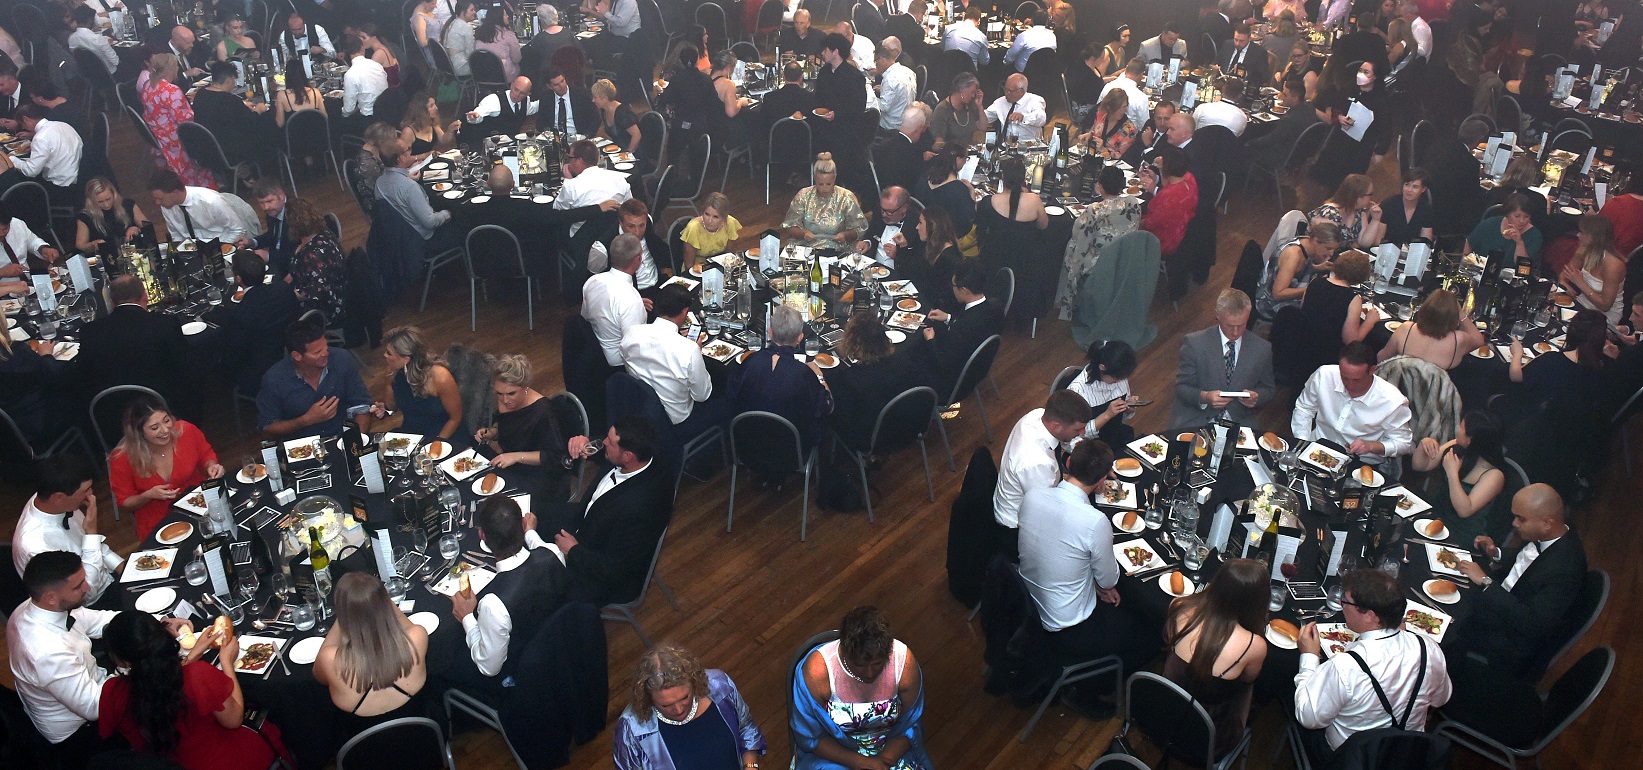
(792,98)
(132,346)
(275,244)
(899,157)
(12,95)
(1527,592)
(1361,45)
(893,230)
(538,227)
(906,29)
(1242,58)
(181,44)
(242,132)
(254,325)
(1272,148)
(1214,24)
(842,89)
(566,109)
(608,544)
(868,17)
(950,339)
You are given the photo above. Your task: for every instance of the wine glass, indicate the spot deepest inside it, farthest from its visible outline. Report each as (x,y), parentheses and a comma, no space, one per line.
(1335,598)
(591,450)
(249,584)
(279,584)
(1288,568)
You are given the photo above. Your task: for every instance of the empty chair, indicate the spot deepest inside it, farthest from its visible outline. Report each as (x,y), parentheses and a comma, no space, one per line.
(407,743)
(493,252)
(307,134)
(768,443)
(487,71)
(624,610)
(1549,714)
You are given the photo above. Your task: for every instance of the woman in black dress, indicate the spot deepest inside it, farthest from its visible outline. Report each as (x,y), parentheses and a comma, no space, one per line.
(1333,312)
(873,375)
(941,188)
(1007,227)
(526,436)
(931,264)
(616,121)
(108,221)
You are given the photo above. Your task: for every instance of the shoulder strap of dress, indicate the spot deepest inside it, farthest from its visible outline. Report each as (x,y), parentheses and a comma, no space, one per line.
(1248,644)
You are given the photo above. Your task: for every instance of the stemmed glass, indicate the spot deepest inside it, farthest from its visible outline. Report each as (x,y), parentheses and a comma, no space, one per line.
(249,584)
(1287,462)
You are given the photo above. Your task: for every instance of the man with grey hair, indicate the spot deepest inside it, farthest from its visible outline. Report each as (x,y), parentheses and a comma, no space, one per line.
(611,302)
(1224,369)
(893,229)
(1022,114)
(896,85)
(896,156)
(537,228)
(1418,27)
(772,380)
(958,119)
(801,39)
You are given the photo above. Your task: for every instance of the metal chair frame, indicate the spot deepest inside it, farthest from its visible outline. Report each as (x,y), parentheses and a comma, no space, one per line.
(70,437)
(490,60)
(802,460)
(624,611)
(404,722)
(582,464)
(701,176)
(1239,750)
(468,252)
(1064,379)
(329,152)
(211,156)
(16,196)
(860,456)
(994,342)
(1507,756)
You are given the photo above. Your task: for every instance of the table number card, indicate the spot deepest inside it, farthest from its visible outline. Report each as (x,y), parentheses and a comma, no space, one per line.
(1220,528)
(1174,69)
(1189,94)
(79,272)
(382,547)
(370,467)
(1155,75)
(271,463)
(215,555)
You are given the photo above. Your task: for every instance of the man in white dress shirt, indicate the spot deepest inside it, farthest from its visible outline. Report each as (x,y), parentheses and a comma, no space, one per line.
(62,516)
(1029,460)
(301,37)
(17,243)
(1037,36)
(611,302)
(506,112)
(966,36)
(1129,81)
(896,85)
(659,354)
(196,212)
(633,218)
(1418,27)
(1224,111)
(861,48)
(49,639)
(364,81)
(83,20)
(502,617)
(587,184)
(54,154)
(1336,698)
(1349,405)
(1021,113)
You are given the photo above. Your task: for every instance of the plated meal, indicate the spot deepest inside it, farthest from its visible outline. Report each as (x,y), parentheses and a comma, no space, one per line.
(438,450)
(907,303)
(196,500)
(488,484)
(1136,556)
(826,360)
(1273,442)
(397,446)
(1176,584)
(1426,620)
(464,465)
(1152,449)
(877,271)
(1116,493)
(1431,528)
(256,654)
(1324,458)
(720,350)
(906,320)
(149,562)
(1128,521)
(1335,638)
(1445,559)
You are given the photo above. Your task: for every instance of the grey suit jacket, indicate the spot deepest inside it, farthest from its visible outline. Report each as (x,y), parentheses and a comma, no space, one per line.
(1203,367)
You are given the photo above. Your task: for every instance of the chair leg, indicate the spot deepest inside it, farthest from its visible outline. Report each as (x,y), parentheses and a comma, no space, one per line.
(473,305)
(341,182)
(929,483)
(427,282)
(730,516)
(866,491)
(530,304)
(804,511)
(1044,704)
(996,392)
(638,629)
(986,429)
(951,466)
(667,593)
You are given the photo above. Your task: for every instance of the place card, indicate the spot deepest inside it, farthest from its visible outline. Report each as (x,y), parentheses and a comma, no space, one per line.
(79,272)
(311,483)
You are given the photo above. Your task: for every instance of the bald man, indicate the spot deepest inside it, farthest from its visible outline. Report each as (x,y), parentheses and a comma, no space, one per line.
(1529,587)
(504,113)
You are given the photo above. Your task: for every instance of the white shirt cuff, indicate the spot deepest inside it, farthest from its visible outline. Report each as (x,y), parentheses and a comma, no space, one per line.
(470,622)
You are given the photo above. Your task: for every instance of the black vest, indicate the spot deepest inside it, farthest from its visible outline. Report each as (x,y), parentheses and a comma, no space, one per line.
(531,592)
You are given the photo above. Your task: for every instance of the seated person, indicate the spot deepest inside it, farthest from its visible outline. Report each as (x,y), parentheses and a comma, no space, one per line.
(55,151)
(254,327)
(1511,232)
(396,188)
(159,458)
(709,233)
(1332,313)
(1332,699)
(1409,215)
(1105,385)
(62,516)
(1021,113)
(610,302)
(421,387)
(500,621)
(527,436)
(133,345)
(1598,270)
(1216,647)
(824,212)
(608,542)
(242,130)
(1471,475)
(374,661)
(670,691)
(1353,209)
(866,672)
(1224,358)
(36,389)
(1567,376)
(1224,112)
(792,98)
(201,213)
(1363,414)
(310,392)
(108,221)
(633,218)
(876,375)
(1440,334)
(587,184)
(1271,149)
(201,704)
(539,232)
(1030,458)
(951,338)
(1296,265)
(801,39)
(772,380)
(504,113)
(672,365)
(892,230)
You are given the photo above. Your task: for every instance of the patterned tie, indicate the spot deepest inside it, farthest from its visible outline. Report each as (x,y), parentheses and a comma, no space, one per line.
(1231,359)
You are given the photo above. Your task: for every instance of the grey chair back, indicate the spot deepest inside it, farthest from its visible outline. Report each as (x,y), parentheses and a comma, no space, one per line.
(766,440)
(30,202)
(107,412)
(203,148)
(903,421)
(1583,614)
(1170,718)
(407,743)
(487,70)
(976,368)
(1065,378)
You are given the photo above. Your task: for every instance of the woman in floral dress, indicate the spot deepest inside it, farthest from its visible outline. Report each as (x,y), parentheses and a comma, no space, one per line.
(318,271)
(1100,224)
(165,108)
(825,212)
(859,696)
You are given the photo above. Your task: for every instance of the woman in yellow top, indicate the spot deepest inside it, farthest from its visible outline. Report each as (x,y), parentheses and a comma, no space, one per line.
(708,234)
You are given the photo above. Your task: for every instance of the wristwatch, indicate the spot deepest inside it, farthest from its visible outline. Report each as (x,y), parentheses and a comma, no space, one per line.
(1487,581)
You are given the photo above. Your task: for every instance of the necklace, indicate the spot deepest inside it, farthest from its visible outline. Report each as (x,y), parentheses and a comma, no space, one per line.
(695,705)
(961,123)
(848,672)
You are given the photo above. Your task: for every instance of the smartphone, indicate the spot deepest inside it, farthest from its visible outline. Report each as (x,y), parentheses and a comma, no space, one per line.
(1136,403)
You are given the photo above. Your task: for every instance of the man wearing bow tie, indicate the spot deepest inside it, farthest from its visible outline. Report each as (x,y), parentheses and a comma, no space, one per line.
(62,516)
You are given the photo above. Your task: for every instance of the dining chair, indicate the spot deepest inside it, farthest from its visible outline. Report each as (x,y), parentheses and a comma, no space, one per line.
(1561,705)
(1070,672)
(1171,718)
(774,442)
(978,367)
(307,134)
(623,611)
(494,251)
(903,421)
(407,742)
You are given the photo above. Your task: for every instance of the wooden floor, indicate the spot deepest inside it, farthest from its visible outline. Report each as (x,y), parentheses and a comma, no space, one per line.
(749,597)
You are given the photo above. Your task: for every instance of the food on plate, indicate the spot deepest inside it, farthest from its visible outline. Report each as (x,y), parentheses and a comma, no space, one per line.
(1442,587)
(1336,640)
(436,449)
(1137,555)
(1177,583)
(397,445)
(1271,441)
(256,656)
(1285,629)
(174,530)
(1128,520)
(197,500)
(1126,464)
(1563,300)
(908,304)
(1366,474)
(1325,459)
(258,470)
(717,350)
(1112,492)
(489,483)
(301,452)
(906,319)
(1423,621)
(1186,437)
(1447,558)
(825,359)
(467,464)
(1153,449)
(1433,527)
(1406,503)
(152,561)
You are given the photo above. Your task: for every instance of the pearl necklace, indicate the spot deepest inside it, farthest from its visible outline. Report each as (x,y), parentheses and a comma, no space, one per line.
(695,705)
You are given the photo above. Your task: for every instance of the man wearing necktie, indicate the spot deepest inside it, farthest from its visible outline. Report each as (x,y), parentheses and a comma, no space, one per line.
(12,94)
(503,113)
(1243,59)
(17,244)
(275,244)
(570,109)
(1223,359)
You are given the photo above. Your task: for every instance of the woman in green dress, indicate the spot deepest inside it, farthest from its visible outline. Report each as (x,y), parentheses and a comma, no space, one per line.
(824,213)
(1466,493)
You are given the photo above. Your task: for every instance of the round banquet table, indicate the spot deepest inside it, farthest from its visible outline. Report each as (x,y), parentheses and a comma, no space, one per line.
(1141,592)
(312,727)
(457,176)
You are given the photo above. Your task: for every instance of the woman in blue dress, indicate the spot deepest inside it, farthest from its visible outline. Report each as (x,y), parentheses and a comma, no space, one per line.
(423,390)
(683,717)
(861,695)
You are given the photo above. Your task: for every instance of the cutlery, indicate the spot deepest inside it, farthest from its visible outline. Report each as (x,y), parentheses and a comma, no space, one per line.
(268,670)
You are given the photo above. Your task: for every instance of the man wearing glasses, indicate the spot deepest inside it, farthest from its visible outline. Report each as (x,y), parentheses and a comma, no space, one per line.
(892,230)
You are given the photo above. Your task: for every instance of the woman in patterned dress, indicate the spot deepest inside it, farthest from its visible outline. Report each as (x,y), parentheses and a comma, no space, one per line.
(165,108)
(1100,224)
(859,696)
(318,271)
(824,212)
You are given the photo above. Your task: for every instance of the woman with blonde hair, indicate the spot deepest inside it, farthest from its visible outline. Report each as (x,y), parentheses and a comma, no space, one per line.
(1440,334)
(616,120)
(235,44)
(1598,270)
(1353,209)
(1111,131)
(108,221)
(824,212)
(164,109)
(682,715)
(423,389)
(710,233)
(374,661)
(527,436)
(158,458)
(1401,47)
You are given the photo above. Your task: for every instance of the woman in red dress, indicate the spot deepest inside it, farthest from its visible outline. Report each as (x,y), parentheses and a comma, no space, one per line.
(159,458)
(183,709)
(165,108)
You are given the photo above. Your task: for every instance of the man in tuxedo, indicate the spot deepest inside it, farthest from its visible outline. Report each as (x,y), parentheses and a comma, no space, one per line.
(565,109)
(893,229)
(792,98)
(950,339)
(535,225)
(275,244)
(181,45)
(254,325)
(607,545)
(12,95)
(1242,58)
(1223,358)
(132,346)
(503,113)
(1527,591)
(898,156)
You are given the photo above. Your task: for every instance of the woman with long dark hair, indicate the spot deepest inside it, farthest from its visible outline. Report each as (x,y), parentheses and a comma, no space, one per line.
(1105,385)
(941,188)
(179,707)
(930,265)
(299,93)
(495,34)
(1007,222)
(1570,373)
(1215,645)
(1466,495)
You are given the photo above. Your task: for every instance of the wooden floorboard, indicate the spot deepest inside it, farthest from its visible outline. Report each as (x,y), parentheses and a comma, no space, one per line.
(749,597)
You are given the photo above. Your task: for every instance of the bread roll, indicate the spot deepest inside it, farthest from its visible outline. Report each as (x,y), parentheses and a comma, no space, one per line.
(490,483)
(1366,474)
(224,628)
(436,448)
(1177,583)
(1129,519)
(1126,464)
(1271,440)
(1441,588)
(1434,528)
(1285,629)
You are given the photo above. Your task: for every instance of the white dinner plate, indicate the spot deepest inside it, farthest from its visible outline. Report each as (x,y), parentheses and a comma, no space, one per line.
(623,166)
(896,335)
(1426,588)
(1280,640)
(1054,211)
(1163,583)
(1423,525)
(542,199)
(157,599)
(183,534)
(455,195)
(478,487)
(428,621)
(306,651)
(262,473)
(1129,474)
(1118,522)
(193,327)
(480,199)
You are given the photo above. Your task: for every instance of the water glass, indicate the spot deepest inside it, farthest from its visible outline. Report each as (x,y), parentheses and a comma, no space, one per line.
(48,329)
(1277,597)
(1335,598)
(195,572)
(812,346)
(213,295)
(397,588)
(449,546)
(885,303)
(1519,329)
(236,613)
(302,616)
(1154,517)
(713,323)
(1193,553)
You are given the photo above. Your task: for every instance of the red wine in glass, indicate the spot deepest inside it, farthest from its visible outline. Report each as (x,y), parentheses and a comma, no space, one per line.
(1288,569)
